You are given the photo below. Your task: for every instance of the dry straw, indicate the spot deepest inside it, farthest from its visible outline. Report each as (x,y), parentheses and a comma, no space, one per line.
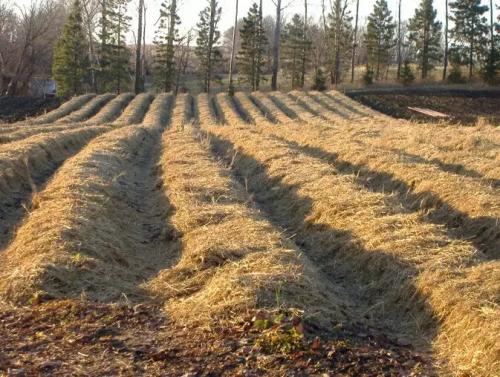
(134,113)
(232,258)
(88,110)
(411,276)
(111,110)
(68,107)
(96,230)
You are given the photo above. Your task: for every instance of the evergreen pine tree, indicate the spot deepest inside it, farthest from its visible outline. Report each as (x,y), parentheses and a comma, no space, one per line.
(470,30)
(71,64)
(491,69)
(340,37)
(206,44)
(407,76)
(319,81)
(114,54)
(295,48)
(380,36)
(425,36)
(167,36)
(250,58)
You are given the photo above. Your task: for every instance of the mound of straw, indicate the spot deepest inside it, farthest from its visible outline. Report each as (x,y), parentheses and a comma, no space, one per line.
(409,275)
(96,230)
(111,110)
(136,110)
(65,109)
(232,258)
(88,110)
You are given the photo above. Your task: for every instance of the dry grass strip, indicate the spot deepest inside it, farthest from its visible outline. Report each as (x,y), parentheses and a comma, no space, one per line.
(342,100)
(232,258)
(458,201)
(270,107)
(403,268)
(136,110)
(311,105)
(19,161)
(111,110)
(282,100)
(65,109)
(88,110)
(96,230)
(258,113)
(159,111)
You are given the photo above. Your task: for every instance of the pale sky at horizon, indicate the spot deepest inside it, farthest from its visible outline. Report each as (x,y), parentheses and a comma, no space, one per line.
(190,9)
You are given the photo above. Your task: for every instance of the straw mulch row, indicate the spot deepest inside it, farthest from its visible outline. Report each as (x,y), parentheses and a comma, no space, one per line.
(136,110)
(465,150)
(97,230)
(107,114)
(88,110)
(65,109)
(233,259)
(410,276)
(464,204)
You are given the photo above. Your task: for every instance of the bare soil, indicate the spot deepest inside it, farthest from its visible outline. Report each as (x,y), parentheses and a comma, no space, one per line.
(80,338)
(463,107)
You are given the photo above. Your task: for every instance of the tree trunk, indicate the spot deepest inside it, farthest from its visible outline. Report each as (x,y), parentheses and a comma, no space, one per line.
(259,53)
(492,32)
(210,45)
(445,70)
(138,74)
(355,43)
(233,46)
(170,46)
(399,40)
(276,47)
(304,51)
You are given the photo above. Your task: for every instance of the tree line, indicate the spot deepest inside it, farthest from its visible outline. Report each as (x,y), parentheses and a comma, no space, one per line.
(88,51)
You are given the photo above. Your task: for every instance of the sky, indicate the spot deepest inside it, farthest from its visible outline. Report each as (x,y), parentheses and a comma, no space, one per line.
(190,9)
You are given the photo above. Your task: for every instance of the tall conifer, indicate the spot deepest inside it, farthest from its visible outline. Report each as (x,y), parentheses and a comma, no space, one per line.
(253,43)
(380,36)
(71,64)
(425,36)
(470,31)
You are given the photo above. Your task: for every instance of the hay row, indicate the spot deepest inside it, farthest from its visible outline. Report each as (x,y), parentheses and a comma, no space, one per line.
(25,132)
(232,258)
(159,111)
(310,105)
(97,230)
(396,263)
(65,109)
(463,204)
(181,112)
(269,106)
(28,163)
(111,110)
(136,110)
(257,115)
(209,111)
(342,100)
(90,109)
(283,101)
(473,154)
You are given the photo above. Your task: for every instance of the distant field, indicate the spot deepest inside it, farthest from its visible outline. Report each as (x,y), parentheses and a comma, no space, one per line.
(262,233)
